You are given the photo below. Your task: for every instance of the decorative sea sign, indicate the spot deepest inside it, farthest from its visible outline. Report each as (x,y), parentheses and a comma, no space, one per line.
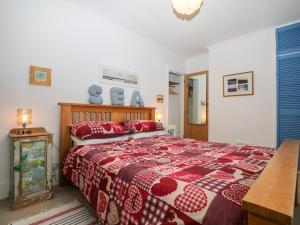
(119,77)
(238,84)
(136,99)
(95,92)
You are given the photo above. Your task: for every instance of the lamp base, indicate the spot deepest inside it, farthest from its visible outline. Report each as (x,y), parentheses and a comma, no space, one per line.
(24,131)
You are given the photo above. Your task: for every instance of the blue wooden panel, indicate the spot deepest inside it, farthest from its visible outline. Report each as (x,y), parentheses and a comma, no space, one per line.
(290,127)
(288,39)
(288,69)
(288,102)
(288,83)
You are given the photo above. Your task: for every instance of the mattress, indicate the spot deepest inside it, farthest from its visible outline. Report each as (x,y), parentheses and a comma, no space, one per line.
(166,180)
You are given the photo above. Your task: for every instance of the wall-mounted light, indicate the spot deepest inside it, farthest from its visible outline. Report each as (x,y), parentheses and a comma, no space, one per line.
(24,118)
(160,98)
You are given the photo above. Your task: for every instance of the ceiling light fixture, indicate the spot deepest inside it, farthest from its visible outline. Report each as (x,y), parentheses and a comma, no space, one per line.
(186,7)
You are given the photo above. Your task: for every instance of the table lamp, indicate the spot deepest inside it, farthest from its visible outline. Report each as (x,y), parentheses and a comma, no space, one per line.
(158,117)
(24,118)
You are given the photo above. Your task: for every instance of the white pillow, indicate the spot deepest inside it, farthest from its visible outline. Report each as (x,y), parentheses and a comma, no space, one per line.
(147,134)
(77,141)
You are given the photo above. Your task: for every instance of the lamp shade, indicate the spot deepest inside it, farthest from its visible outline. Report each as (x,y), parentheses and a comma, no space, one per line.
(158,116)
(186,7)
(24,116)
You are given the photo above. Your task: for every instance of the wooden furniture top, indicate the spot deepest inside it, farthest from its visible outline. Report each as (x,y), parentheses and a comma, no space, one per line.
(272,196)
(36,131)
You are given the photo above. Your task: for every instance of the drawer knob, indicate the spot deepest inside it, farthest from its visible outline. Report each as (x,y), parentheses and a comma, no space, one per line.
(17,168)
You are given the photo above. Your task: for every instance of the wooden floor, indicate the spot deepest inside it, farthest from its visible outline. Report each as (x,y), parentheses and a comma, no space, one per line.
(62,195)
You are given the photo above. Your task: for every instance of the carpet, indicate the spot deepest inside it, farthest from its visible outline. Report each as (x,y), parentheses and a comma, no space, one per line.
(73,213)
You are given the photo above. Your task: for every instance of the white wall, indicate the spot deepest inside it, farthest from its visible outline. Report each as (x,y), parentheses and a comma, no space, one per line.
(72,41)
(246,119)
(197,63)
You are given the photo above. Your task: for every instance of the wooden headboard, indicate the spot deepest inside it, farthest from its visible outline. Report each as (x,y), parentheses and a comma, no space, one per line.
(72,113)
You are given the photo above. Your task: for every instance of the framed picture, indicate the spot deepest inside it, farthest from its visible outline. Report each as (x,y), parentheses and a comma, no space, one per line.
(118,77)
(40,76)
(159,98)
(238,84)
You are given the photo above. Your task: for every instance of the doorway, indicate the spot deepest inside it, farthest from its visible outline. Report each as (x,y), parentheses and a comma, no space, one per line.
(196,106)
(174,112)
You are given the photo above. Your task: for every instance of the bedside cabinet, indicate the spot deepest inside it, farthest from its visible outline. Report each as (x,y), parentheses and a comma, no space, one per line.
(30,167)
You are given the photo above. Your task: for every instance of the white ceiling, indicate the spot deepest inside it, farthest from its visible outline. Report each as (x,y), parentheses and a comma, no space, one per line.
(216,21)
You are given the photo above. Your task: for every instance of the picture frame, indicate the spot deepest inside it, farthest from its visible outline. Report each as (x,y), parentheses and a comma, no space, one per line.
(40,76)
(118,77)
(239,84)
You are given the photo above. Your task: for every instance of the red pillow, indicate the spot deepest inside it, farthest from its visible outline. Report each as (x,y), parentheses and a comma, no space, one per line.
(97,130)
(137,126)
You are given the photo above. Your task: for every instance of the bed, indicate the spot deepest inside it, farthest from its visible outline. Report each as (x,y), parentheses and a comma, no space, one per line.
(168,180)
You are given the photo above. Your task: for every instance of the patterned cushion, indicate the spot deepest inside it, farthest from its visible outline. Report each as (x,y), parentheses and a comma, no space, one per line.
(97,129)
(137,126)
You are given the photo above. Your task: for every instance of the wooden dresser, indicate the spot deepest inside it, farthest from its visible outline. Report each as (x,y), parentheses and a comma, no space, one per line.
(30,167)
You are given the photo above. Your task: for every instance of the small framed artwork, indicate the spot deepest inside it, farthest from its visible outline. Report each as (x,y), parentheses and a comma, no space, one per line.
(160,98)
(115,76)
(238,84)
(40,76)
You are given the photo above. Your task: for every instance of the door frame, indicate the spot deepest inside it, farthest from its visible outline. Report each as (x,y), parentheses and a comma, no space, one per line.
(187,125)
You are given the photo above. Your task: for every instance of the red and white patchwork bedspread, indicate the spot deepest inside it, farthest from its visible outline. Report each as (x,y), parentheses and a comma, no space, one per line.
(166,180)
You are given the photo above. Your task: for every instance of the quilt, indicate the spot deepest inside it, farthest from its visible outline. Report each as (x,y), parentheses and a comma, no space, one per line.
(166,180)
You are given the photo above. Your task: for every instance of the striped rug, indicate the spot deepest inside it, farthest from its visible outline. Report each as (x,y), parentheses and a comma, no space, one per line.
(73,213)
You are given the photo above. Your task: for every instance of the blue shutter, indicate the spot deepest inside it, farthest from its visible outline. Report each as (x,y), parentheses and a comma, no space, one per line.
(288,69)
(288,39)
(288,83)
